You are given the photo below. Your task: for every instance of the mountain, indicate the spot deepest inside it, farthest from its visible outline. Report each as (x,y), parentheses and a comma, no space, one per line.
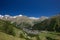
(9,31)
(18,19)
(42,18)
(51,24)
(6,28)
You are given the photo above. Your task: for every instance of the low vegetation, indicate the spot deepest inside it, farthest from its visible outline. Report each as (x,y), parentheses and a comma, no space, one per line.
(51,24)
(49,29)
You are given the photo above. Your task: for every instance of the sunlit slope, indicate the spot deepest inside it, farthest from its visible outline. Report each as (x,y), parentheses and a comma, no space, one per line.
(4,36)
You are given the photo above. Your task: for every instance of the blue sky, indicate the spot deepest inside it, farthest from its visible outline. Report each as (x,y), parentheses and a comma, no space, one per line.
(34,8)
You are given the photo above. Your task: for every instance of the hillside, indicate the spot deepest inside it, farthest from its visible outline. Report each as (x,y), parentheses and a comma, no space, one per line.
(48,29)
(51,24)
(4,36)
(41,36)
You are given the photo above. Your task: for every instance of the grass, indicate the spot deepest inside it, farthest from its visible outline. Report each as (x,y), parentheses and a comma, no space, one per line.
(4,36)
(41,36)
(52,35)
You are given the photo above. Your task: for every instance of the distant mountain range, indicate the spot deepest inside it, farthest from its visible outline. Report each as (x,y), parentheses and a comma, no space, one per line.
(22,18)
(8,16)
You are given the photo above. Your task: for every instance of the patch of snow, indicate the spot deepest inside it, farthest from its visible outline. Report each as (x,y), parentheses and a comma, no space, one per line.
(20,15)
(33,18)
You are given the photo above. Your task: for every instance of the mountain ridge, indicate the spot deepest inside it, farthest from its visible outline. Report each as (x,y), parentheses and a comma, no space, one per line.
(1,16)
(22,18)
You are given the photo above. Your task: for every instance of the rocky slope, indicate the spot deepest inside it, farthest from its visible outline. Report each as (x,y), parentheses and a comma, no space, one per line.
(21,18)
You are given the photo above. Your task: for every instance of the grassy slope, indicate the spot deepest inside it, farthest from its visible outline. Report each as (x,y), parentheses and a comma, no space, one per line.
(52,35)
(42,35)
(4,36)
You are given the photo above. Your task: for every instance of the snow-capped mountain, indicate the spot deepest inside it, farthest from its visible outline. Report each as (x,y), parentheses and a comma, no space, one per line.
(21,18)
(8,16)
